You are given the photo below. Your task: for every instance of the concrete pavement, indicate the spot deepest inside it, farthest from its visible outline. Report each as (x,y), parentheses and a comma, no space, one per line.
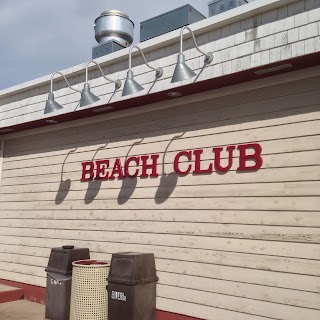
(22,310)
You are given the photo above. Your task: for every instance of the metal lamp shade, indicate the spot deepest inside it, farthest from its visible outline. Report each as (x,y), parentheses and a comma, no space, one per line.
(51,105)
(130,85)
(87,97)
(182,71)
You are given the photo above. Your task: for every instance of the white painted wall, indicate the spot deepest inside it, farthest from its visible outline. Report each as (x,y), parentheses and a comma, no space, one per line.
(235,246)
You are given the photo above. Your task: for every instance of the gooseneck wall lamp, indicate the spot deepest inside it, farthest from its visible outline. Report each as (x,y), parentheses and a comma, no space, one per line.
(132,86)
(52,105)
(87,97)
(182,71)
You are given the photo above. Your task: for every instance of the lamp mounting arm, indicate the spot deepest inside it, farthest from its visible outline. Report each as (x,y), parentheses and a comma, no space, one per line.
(159,71)
(116,82)
(208,56)
(65,79)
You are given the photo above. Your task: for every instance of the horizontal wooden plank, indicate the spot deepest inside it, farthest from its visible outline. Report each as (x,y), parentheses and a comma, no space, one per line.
(173,118)
(270,233)
(310,188)
(261,135)
(202,311)
(251,261)
(280,218)
(33,271)
(242,275)
(282,249)
(21,277)
(261,308)
(58,156)
(216,272)
(309,158)
(213,203)
(262,175)
(272,294)
(237,289)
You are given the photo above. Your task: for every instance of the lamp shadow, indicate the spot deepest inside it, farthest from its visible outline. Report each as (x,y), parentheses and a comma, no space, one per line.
(152,85)
(201,70)
(168,182)
(127,189)
(129,183)
(113,93)
(64,186)
(94,186)
(77,106)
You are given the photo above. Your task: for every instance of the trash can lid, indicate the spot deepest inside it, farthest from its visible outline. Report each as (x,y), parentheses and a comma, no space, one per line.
(67,247)
(91,263)
(61,259)
(132,268)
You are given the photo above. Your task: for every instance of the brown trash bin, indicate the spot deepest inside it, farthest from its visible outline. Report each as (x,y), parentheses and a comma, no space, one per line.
(59,272)
(132,287)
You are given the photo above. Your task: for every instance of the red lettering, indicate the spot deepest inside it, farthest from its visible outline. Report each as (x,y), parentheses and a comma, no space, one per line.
(101,166)
(117,169)
(187,154)
(127,164)
(86,170)
(217,159)
(197,168)
(244,157)
(152,166)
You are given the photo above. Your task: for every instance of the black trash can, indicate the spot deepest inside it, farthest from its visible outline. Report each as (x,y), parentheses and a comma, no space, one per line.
(132,287)
(59,272)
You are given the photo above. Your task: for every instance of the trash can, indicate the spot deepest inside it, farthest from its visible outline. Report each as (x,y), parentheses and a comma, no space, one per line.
(132,287)
(89,299)
(59,273)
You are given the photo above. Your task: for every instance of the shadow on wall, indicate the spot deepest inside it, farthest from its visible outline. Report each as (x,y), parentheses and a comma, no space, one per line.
(94,185)
(229,118)
(128,184)
(64,186)
(168,182)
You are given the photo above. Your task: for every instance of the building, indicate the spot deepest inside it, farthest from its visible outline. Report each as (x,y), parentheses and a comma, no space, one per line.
(230,243)
(219,6)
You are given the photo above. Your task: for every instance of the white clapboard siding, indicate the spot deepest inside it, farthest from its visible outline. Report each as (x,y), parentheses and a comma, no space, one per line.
(309,173)
(262,262)
(269,160)
(300,250)
(214,203)
(286,218)
(310,188)
(267,309)
(80,142)
(133,127)
(16,244)
(1,158)
(52,157)
(228,246)
(273,233)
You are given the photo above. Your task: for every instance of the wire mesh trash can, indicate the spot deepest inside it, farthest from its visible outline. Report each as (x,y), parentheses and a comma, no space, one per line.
(89,297)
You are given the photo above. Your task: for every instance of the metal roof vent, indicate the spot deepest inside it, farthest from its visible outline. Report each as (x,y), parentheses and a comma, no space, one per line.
(169,21)
(113,31)
(219,6)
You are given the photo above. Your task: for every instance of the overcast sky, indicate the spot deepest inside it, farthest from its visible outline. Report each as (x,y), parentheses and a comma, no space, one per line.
(38,37)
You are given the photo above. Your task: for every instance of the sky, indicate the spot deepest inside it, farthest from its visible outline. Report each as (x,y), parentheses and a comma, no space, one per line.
(39,37)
